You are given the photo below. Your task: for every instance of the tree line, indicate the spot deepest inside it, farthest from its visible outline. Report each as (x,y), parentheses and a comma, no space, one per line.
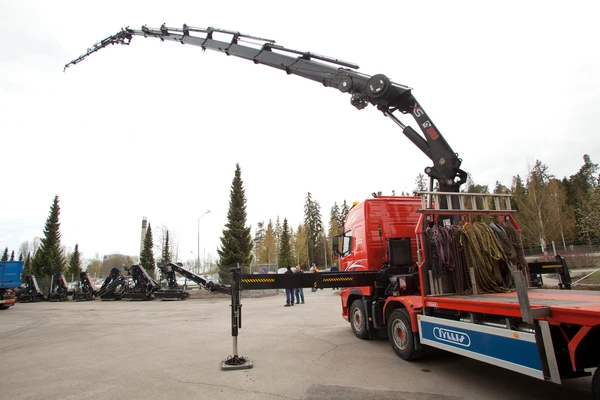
(548,209)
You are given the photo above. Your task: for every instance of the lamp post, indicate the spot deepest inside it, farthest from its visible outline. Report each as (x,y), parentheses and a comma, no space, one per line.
(198,254)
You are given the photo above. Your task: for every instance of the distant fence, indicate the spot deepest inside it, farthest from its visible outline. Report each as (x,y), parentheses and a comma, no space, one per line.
(577,255)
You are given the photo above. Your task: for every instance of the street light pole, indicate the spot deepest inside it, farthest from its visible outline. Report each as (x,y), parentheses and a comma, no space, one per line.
(198,254)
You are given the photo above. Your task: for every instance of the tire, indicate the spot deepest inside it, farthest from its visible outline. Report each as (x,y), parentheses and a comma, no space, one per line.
(596,385)
(4,307)
(401,336)
(358,319)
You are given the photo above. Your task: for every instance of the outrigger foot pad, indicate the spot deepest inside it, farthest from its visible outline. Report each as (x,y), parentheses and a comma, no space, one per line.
(236,362)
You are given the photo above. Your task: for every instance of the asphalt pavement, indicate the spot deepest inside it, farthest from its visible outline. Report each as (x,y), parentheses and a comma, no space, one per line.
(174,350)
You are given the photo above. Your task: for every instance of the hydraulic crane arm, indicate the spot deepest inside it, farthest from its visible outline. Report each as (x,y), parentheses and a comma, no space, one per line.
(378,90)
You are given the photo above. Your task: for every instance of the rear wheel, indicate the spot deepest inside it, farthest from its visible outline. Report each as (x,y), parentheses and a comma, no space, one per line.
(401,336)
(358,319)
(4,307)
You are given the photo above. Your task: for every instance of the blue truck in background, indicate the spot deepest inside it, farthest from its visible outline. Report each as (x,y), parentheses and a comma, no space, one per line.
(10,280)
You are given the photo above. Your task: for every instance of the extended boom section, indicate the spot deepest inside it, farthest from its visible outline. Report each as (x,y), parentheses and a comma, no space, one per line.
(377,90)
(320,280)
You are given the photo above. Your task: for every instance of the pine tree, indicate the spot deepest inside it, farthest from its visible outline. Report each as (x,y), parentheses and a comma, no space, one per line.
(147,254)
(236,242)
(5,255)
(74,268)
(12,256)
(269,253)
(166,253)
(259,242)
(343,214)
(285,249)
(27,270)
(300,246)
(312,220)
(49,257)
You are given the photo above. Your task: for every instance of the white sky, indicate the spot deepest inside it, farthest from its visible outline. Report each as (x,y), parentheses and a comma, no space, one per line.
(155,129)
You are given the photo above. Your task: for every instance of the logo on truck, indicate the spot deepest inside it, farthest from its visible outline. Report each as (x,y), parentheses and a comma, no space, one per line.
(450,336)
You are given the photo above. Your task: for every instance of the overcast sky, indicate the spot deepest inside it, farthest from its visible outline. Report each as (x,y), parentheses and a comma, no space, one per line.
(155,129)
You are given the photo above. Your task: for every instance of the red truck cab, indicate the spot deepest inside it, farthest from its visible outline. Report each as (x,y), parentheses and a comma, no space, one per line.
(378,231)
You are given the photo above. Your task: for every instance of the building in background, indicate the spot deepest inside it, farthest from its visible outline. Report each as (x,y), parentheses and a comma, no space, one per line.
(144,228)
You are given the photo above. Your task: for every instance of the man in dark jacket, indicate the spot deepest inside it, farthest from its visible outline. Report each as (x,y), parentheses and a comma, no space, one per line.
(289,293)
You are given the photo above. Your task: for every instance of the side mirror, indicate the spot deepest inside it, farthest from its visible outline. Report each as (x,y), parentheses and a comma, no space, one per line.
(335,245)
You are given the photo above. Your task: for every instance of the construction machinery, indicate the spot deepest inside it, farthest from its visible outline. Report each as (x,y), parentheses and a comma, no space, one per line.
(85,290)
(59,290)
(173,291)
(396,273)
(30,291)
(143,286)
(113,287)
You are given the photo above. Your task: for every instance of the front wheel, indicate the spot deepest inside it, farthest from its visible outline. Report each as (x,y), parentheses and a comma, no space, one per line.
(401,336)
(358,319)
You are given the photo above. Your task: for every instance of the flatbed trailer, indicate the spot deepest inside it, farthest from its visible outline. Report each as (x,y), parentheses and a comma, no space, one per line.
(548,334)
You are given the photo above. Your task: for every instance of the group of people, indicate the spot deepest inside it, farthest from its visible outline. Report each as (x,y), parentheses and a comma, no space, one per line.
(298,293)
(294,292)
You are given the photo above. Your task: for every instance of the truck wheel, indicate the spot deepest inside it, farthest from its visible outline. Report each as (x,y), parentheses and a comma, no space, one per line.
(596,384)
(4,307)
(401,336)
(358,319)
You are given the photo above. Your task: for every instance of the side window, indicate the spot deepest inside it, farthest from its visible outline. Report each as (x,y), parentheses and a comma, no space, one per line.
(347,243)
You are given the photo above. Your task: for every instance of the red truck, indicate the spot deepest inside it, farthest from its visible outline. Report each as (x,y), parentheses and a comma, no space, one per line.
(445,269)
(419,299)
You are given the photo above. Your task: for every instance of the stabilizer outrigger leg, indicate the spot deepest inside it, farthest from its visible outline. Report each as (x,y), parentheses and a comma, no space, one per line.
(236,361)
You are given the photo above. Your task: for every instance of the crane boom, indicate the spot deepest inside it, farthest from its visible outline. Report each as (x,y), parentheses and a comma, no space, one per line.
(377,90)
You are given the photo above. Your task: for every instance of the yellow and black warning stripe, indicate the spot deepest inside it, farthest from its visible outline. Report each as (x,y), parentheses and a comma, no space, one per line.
(259,280)
(340,279)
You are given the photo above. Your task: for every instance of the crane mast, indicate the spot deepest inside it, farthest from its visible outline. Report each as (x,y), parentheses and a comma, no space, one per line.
(378,90)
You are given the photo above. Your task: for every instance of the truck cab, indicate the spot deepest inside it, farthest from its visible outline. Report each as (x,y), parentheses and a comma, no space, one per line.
(378,233)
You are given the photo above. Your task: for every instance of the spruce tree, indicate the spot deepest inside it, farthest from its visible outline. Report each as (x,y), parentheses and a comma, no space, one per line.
(285,249)
(49,258)
(27,270)
(12,256)
(147,254)
(312,220)
(236,242)
(166,253)
(5,255)
(75,262)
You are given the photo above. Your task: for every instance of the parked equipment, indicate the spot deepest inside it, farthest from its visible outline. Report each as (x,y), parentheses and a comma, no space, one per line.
(173,291)
(404,270)
(143,286)
(30,292)
(113,287)
(58,288)
(85,291)
(10,280)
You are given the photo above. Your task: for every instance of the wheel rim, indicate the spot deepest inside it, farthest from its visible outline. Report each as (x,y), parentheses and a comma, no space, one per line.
(400,334)
(357,319)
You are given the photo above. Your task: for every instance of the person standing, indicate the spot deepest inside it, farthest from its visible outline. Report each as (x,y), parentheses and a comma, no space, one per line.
(299,291)
(289,293)
(313,270)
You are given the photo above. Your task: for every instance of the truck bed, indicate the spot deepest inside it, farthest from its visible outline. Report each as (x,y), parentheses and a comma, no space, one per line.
(580,307)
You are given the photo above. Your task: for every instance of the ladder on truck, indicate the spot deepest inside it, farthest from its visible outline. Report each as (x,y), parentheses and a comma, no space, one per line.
(471,203)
